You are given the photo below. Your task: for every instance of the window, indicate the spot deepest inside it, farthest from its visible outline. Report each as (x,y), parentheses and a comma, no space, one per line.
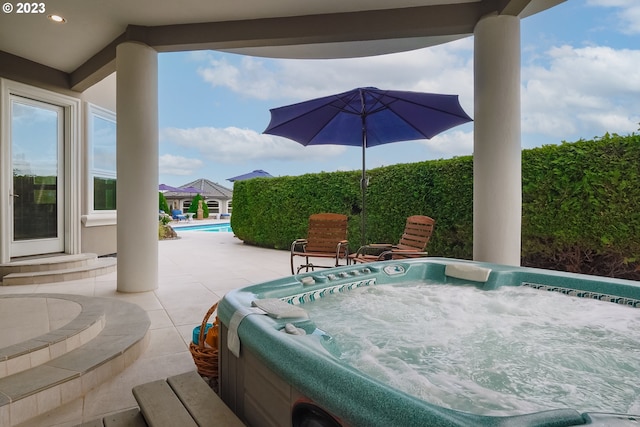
(102,159)
(229,207)
(214,206)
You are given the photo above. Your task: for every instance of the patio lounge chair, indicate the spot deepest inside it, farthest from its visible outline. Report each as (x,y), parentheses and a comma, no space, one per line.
(178,215)
(413,243)
(326,238)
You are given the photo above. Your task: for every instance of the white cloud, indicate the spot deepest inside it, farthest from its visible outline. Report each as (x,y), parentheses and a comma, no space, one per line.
(251,78)
(450,144)
(178,165)
(234,145)
(628,14)
(590,91)
(444,69)
(567,92)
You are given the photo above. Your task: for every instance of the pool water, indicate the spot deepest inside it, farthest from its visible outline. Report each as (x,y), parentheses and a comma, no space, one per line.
(223,227)
(510,351)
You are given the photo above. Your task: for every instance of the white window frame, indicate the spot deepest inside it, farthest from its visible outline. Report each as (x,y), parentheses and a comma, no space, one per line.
(96,218)
(214,206)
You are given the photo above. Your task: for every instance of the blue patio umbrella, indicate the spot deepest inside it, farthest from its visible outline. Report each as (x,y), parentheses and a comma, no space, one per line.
(165,187)
(258,173)
(367,117)
(188,190)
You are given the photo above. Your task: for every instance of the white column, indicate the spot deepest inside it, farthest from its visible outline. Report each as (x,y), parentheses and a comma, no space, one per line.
(497,190)
(137,167)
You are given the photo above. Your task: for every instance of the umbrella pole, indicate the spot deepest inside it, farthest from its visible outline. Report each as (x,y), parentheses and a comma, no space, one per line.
(363,187)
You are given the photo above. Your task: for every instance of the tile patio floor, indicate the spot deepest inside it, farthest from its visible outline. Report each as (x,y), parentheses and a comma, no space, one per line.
(195,271)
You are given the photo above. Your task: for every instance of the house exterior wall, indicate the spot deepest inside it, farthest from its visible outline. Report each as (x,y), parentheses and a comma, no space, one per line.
(99,231)
(99,240)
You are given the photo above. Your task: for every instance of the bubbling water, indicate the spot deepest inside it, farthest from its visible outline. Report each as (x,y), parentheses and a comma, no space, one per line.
(510,351)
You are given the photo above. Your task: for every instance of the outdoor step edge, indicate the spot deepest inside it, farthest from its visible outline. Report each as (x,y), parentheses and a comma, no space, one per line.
(133,349)
(91,313)
(101,266)
(48,262)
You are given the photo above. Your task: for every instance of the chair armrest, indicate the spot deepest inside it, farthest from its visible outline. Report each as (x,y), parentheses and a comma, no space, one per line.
(296,243)
(342,245)
(373,248)
(403,253)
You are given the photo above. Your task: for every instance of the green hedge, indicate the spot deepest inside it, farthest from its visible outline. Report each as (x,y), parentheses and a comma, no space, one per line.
(581,205)
(273,212)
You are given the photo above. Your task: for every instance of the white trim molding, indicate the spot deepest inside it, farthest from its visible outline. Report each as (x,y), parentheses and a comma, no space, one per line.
(99,219)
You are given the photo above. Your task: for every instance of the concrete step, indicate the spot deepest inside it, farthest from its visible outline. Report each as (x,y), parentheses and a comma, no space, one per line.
(66,363)
(55,269)
(183,400)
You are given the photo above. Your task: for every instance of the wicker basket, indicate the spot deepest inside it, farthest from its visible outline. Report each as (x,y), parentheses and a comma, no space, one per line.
(206,358)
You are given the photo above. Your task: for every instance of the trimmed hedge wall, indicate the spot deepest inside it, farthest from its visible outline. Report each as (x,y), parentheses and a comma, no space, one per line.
(581,205)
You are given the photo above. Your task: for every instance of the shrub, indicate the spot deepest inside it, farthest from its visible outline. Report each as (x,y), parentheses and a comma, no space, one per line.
(194,206)
(163,205)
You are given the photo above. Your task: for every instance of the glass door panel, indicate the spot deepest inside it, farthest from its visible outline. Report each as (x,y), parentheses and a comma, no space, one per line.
(37,140)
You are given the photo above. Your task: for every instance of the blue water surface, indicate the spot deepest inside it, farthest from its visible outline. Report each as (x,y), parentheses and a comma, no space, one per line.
(216,228)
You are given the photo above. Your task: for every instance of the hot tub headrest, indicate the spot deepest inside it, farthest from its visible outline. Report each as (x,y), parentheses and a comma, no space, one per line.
(467,272)
(272,307)
(279,309)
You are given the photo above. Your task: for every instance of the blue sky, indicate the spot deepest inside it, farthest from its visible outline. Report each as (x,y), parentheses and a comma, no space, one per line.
(580,79)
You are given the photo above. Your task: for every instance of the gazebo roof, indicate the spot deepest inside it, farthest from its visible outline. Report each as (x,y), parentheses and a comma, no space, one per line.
(207,189)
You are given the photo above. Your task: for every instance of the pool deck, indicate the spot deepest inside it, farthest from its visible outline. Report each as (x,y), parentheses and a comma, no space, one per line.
(194,272)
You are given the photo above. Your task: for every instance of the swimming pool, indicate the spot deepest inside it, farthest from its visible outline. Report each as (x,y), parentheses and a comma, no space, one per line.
(222,227)
(286,369)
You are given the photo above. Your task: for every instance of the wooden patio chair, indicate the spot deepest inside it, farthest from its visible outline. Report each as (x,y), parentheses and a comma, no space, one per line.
(413,243)
(326,238)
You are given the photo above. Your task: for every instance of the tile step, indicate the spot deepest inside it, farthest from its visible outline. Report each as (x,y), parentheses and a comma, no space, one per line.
(94,268)
(47,262)
(39,350)
(62,379)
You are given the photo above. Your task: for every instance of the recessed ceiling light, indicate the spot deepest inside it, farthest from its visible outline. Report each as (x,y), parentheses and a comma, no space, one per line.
(57,18)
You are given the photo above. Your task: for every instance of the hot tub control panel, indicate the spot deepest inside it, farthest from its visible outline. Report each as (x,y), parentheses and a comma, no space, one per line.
(394,270)
(360,273)
(332,277)
(389,270)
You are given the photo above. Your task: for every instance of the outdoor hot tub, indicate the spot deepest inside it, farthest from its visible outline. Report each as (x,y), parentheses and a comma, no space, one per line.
(432,342)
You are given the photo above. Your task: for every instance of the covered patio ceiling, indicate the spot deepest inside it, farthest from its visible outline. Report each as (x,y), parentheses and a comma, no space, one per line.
(80,52)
